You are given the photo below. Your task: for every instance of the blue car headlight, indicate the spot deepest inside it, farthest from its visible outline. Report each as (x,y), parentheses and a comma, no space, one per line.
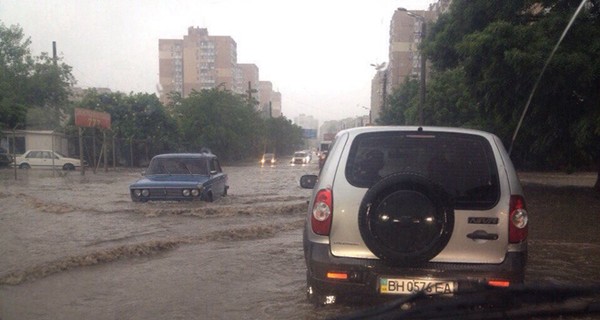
(141,192)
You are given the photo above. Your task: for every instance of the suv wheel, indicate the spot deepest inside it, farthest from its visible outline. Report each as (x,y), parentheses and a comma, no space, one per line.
(406,219)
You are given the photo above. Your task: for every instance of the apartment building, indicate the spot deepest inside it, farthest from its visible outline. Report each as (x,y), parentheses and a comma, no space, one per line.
(202,61)
(247,79)
(276,104)
(269,100)
(406,34)
(310,128)
(192,63)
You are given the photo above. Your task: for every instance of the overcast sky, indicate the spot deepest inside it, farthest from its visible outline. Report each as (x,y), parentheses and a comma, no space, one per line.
(317,53)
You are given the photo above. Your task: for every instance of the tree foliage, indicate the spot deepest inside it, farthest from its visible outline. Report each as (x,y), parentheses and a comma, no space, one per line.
(222,121)
(487,57)
(216,119)
(463,18)
(229,125)
(449,102)
(495,51)
(402,105)
(28,82)
(135,117)
(15,64)
(282,136)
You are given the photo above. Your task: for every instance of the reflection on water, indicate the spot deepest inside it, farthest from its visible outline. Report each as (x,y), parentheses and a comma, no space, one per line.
(564,243)
(563,262)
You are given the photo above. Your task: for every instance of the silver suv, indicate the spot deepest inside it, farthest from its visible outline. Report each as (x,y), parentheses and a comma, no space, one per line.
(398,210)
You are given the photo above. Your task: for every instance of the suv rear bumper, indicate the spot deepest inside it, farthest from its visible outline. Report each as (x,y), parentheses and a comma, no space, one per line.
(363,274)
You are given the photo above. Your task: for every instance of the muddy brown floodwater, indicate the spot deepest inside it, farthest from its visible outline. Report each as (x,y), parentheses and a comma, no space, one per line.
(77,247)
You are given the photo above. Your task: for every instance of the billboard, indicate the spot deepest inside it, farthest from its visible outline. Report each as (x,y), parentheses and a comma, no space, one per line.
(91,119)
(309,133)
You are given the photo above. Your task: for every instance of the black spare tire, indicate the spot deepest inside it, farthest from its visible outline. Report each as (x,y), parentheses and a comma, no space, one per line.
(406,219)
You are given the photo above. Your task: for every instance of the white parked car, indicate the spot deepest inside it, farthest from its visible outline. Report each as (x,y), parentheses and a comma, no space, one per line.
(45,159)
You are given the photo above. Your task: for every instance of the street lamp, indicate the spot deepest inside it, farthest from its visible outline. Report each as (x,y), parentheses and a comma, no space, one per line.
(369,109)
(423,62)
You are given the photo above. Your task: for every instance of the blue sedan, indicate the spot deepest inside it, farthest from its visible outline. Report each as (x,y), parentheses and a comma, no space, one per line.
(181,176)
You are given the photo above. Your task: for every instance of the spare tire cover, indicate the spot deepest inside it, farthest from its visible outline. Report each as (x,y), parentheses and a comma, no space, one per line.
(406,219)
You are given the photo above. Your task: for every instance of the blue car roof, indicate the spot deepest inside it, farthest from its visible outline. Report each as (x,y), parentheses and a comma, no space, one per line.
(185,155)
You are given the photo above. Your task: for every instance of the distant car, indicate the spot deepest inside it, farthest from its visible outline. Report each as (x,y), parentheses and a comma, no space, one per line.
(45,159)
(301,157)
(268,159)
(181,176)
(322,158)
(5,157)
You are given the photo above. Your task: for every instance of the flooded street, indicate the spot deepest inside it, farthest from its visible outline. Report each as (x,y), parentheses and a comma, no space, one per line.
(75,247)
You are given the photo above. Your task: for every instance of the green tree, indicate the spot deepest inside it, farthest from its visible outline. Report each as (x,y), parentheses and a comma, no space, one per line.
(283,136)
(502,47)
(500,64)
(221,121)
(28,82)
(136,117)
(15,65)
(449,101)
(402,105)
(466,17)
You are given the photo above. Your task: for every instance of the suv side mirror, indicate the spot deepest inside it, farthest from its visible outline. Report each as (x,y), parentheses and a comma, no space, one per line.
(308,181)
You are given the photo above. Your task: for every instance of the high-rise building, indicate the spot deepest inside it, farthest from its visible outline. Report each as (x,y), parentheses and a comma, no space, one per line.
(406,34)
(269,100)
(247,79)
(201,61)
(170,67)
(405,39)
(276,104)
(310,127)
(193,63)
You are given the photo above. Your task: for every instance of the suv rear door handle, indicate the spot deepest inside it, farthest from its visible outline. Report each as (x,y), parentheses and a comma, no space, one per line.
(482,235)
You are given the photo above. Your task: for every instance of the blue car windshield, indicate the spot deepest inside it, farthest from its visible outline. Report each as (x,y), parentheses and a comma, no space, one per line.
(178,166)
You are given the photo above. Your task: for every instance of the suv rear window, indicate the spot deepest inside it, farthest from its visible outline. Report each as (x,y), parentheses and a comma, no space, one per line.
(463,164)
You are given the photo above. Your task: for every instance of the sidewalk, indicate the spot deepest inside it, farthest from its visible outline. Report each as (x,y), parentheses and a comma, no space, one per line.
(580,179)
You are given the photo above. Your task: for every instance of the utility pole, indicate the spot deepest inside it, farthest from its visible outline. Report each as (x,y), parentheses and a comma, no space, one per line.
(54,58)
(423,73)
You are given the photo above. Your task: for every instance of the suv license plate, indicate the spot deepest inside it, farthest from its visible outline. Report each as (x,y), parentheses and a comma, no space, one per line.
(410,286)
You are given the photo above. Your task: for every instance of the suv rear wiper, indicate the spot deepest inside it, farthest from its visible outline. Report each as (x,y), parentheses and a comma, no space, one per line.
(487,302)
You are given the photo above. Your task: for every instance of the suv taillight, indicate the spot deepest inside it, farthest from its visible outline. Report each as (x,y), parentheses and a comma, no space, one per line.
(517,227)
(321,213)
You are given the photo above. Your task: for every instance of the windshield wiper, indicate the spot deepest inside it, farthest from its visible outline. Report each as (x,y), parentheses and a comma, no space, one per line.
(487,302)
